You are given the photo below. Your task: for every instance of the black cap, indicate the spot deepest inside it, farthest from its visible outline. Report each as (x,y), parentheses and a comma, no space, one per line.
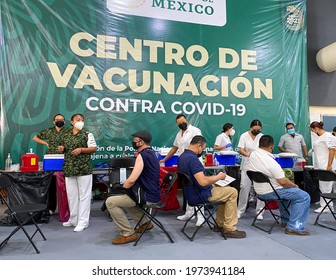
(144,135)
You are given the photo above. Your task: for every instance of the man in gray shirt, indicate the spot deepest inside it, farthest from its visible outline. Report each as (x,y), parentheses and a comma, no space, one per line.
(293,142)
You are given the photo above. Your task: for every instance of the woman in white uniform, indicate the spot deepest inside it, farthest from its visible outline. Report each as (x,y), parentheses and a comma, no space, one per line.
(223,140)
(248,142)
(324,154)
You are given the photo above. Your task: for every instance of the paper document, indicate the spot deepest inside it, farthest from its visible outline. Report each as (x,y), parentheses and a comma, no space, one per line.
(228,179)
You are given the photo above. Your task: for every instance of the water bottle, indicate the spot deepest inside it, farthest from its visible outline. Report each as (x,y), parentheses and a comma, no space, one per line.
(8,163)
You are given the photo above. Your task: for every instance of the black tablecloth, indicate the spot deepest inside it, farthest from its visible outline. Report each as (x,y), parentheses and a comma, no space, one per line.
(29,187)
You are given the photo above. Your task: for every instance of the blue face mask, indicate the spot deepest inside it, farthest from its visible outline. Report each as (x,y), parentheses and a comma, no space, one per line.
(291,131)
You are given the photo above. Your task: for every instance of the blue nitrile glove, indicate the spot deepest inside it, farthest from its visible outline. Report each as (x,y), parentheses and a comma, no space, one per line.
(228,145)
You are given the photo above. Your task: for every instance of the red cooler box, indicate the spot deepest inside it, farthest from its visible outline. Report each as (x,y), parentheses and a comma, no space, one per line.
(273,205)
(171,202)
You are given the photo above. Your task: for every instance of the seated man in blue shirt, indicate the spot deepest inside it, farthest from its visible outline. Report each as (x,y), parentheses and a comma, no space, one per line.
(226,215)
(146,174)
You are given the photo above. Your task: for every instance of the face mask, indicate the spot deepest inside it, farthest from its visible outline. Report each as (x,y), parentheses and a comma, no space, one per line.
(79,125)
(183,126)
(291,131)
(200,154)
(59,123)
(134,145)
(255,132)
(232,132)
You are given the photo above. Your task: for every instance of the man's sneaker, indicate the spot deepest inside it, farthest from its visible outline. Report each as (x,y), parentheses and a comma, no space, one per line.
(318,210)
(185,217)
(147,226)
(294,232)
(260,217)
(124,239)
(200,221)
(235,234)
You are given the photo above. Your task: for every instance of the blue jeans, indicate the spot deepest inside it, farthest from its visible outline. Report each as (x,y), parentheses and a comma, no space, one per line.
(298,209)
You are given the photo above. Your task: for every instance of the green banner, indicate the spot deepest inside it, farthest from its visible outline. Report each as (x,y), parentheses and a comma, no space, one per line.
(128,65)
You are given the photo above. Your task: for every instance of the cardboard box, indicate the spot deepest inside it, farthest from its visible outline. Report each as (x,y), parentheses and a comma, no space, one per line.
(53,162)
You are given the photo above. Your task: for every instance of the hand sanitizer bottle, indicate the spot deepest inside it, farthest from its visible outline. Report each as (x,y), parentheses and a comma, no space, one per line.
(8,163)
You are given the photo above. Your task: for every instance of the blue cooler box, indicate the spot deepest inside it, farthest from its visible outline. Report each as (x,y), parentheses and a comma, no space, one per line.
(162,154)
(285,162)
(170,162)
(226,159)
(53,162)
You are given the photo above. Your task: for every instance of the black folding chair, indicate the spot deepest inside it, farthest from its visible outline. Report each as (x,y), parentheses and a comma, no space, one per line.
(29,210)
(150,210)
(209,208)
(258,177)
(119,169)
(326,176)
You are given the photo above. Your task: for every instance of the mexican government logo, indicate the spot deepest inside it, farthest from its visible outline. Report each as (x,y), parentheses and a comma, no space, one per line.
(294,18)
(207,12)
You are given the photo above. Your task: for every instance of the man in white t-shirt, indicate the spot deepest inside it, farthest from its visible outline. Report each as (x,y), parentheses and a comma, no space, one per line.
(183,137)
(263,161)
(182,142)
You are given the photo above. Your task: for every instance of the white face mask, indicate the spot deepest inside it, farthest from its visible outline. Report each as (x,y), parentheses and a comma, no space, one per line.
(232,132)
(79,125)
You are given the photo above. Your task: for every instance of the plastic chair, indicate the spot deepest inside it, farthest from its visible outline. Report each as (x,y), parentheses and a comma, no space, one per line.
(209,208)
(326,176)
(258,177)
(29,210)
(150,210)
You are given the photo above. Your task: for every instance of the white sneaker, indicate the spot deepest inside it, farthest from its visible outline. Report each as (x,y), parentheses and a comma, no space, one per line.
(185,217)
(80,228)
(200,221)
(318,210)
(260,217)
(69,224)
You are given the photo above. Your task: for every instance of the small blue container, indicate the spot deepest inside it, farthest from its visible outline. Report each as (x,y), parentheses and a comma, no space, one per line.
(285,162)
(226,159)
(170,162)
(53,162)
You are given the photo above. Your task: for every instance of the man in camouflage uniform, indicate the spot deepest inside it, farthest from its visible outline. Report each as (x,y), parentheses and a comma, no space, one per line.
(78,145)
